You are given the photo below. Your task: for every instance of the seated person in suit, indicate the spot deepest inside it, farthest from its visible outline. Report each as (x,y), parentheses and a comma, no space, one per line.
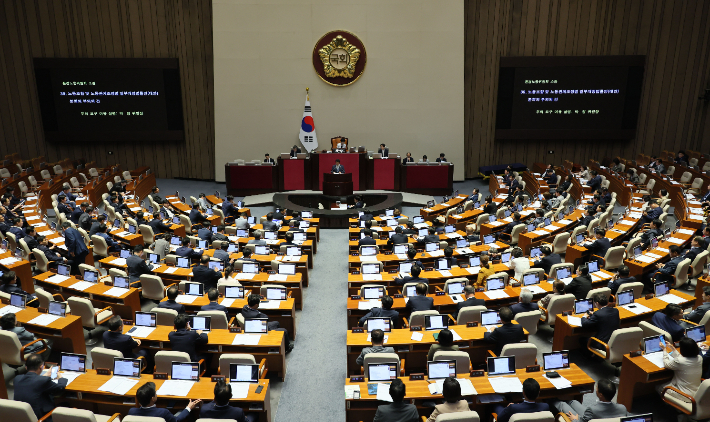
(10,284)
(558,290)
(146,397)
(548,259)
(525,303)
(223,255)
(366,215)
(213,296)
(621,278)
(202,202)
(113,246)
(420,302)
(695,249)
(531,389)
(157,224)
(65,208)
(431,236)
(140,218)
(398,237)
(257,240)
(377,338)
(615,165)
(653,212)
(367,240)
(698,313)
(486,270)
(665,271)
(38,390)
(229,210)
(186,251)
(204,274)
(507,333)
(508,229)
(170,303)
(580,285)
(595,182)
(183,339)
(411,253)
(196,217)
(445,343)
(242,222)
(408,158)
(204,231)
(269,224)
(268,159)
(220,234)
(452,400)
(337,168)
(471,235)
(51,252)
(656,230)
(385,311)
(442,158)
(288,237)
(604,408)
(8,322)
(383,150)
(398,411)
(470,294)
(220,408)
(295,150)
(413,278)
(342,144)
(114,339)
(154,194)
(605,320)
(101,219)
(251,310)
(668,320)
(424,159)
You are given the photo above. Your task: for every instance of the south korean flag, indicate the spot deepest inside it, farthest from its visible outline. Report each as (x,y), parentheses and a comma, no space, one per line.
(308,129)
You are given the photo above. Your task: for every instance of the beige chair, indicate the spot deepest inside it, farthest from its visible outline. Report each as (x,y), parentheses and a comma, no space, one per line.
(557,305)
(622,341)
(539,271)
(515,233)
(115,272)
(407,286)
(147,233)
(224,283)
(681,274)
(165,358)
(592,225)
(463,360)
(533,417)
(25,249)
(648,189)
(529,320)
(362,288)
(556,267)
(685,177)
(90,318)
(127,176)
(243,358)
(377,248)
(417,318)
(467,416)
(65,414)
(636,286)
(603,290)
(45,298)
(525,354)
(103,358)
(633,243)
(18,411)
(470,314)
(377,358)
(165,316)
(650,330)
(559,245)
(503,275)
(185,221)
(12,352)
(100,246)
(455,280)
(45,174)
(482,219)
(134,418)
(696,187)
(218,320)
(697,267)
(152,287)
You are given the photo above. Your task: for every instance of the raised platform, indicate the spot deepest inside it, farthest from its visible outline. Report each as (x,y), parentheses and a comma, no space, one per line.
(312,201)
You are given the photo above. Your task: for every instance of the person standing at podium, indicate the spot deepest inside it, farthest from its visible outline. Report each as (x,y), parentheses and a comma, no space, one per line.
(384,151)
(408,158)
(337,168)
(295,150)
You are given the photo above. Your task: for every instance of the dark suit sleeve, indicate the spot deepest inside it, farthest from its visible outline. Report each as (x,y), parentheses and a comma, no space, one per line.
(54,388)
(491,337)
(505,415)
(592,321)
(201,339)
(143,267)
(696,315)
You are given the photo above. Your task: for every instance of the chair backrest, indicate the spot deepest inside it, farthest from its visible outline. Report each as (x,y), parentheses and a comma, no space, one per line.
(83,308)
(685,177)
(467,416)
(650,185)
(470,314)
(697,183)
(623,341)
(556,267)
(633,243)
(223,283)
(44,297)
(17,411)
(636,286)
(529,320)
(103,358)
(592,225)
(25,249)
(557,305)
(559,245)
(165,358)
(500,214)
(152,287)
(603,290)
(100,245)
(533,417)
(463,360)
(218,321)
(165,316)
(681,272)
(702,401)
(228,358)
(147,233)
(127,176)
(525,354)
(115,272)
(185,221)
(482,219)
(651,330)
(66,414)
(134,418)
(10,348)
(698,265)
(417,317)
(515,233)
(375,358)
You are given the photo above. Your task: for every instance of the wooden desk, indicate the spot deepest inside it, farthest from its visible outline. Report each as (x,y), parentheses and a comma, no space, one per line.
(565,337)
(439,209)
(22,268)
(638,268)
(418,391)
(702,282)
(84,393)
(272,346)
(67,333)
(125,305)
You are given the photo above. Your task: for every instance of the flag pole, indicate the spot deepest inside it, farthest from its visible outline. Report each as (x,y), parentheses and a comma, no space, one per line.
(307,97)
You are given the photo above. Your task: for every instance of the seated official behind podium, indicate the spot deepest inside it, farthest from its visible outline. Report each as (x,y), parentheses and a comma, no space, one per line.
(398,411)
(268,159)
(114,339)
(383,150)
(295,150)
(337,168)
(385,311)
(172,294)
(37,390)
(441,159)
(377,338)
(220,408)
(508,333)
(341,144)
(146,396)
(531,389)
(408,158)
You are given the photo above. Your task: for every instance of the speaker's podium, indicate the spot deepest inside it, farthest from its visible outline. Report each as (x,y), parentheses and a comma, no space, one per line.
(337,184)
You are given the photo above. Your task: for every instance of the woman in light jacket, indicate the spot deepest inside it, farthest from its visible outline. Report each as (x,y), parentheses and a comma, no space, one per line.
(687,366)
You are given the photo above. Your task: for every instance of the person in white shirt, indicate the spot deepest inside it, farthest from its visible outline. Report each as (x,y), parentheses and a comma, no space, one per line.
(687,366)
(242,222)
(202,202)
(519,263)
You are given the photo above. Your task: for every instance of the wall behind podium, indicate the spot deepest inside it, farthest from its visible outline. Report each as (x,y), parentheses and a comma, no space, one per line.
(410,96)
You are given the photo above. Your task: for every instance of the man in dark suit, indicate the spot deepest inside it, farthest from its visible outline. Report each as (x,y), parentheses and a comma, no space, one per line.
(49,251)
(30,238)
(408,158)
(204,231)
(604,408)
(398,411)
(269,224)
(656,230)
(183,339)
(431,236)
(204,274)
(667,271)
(550,176)
(4,227)
(11,285)
(186,251)
(295,150)
(548,259)
(507,333)
(442,158)
(508,229)
(470,294)
(600,244)
(337,168)
(384,151)
(154,194)
(653,212)
(157,224)
(137,265)
(619,279)
(410,230)
(220,408)
(367,240)
(413,278)
(113,246)
(147,397)
(695,248)
(118,190)
(229,210)
(398,237)
(385,311)
(17,229)
(531,389)
(268,159)
(588,217)
(595,182)
(420,302)
(580,285)
(220,234)
(114,339)
(698,313)
(85,219)
(64,207)
(76,248)
(605,319)
(37,390)
(196,217)
(251,310)
(525,303)
(101,219)
(213,296)
(77,212)
(170,303)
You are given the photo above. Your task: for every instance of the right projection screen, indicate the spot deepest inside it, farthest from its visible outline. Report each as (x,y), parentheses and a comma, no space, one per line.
(581,97)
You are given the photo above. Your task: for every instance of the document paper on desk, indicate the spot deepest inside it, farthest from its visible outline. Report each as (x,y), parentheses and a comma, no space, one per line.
(369,258)
(247,339)
(11,260)
(506,384)
(244,276)
(383,392)
(179,388)
(118,385)
(9,309)
(44,319)
(185,298)
(676,240)
(56,279)
(574,321)
(170,270)
(467,389)
(350,391)
(560,383)
(445,273)
(369,304)
(417,336)
(270,304)
(645,258)
(70,376)
(496,294)
(535,289)
(671,298)
(227,302)
(141,332)
(278,277)
(655,358)
(119,261)
(473,270)
(116,291)
(457,337)
(240,390)
(636,308)
(371,277)
(686,231)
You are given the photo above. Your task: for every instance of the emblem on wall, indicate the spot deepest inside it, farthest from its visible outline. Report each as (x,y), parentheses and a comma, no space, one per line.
(339,58)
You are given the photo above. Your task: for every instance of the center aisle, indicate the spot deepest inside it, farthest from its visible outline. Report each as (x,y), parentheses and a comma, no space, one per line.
(316,367)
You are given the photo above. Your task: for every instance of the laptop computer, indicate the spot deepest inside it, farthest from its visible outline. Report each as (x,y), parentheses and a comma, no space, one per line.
(497,283)
(202,244)
(443,264)
(234,292)
(492,218)
(417,219)
(441,369)
(176,219)
(374,292)
(232,248)
(183,262)
(200,322)
(583,305)
(405,267)
(462,243)
(423,232)
(410,291)
(120,281)
(125,367)
(625,297)
(63,269)
(593,266)
(287,269)
(154,258)
(474,261)
(175,240)
(400,249)
(435,322)
(652,344)
(124,253)
(256,325)
(91,276)
(57,308)
(661,288)
(242,233)
(392,223)
(370,268)
(379,323)
(449,229)
(555,360)
(72,362)
(368,251)
(455,288)
(488,239)
(251,267)
(216,265)
(293,251)
(490,318)
(194,289)
(306,214)
(186,371)
(145,319)
(19,301)
(304,224)
(240,372)
(276,293)
(261,250)
(132,229)
(531,279)
(431,246)
(696,333)
(381,372)
(563,273)
(251,220)
(502,365)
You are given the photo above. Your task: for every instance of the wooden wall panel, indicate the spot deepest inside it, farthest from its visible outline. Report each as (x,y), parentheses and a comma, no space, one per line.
(108,29)
(673,34)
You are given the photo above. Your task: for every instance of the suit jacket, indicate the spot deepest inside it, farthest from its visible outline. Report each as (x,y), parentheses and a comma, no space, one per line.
(161,247)
(586,220)
(698,313)
(64,209)
(75,215)
(668,270)
(31,242)
(603,410)
(385,152)
(241,223)
(85,221)
(205,234)
(171,304)
(157,198)
(523,307)
(407,160)
(228,209)
(293,153)
(472,301)
(691,254)
(212,411)
(270,226)
(547,262)
(606,320)
(214,306)
(599,247)
(373,349)
(219,236)
(26,337)
(490,209)
(136,268)
(396,412)
(615,284)
(410,279)
(524,407)
(337,169)
(109,241)
(187,252)
(248,312)
(579,286)
(269,160)
(459,406)
(431,238)
(505,334)
(124,343)
(420,303)
(671,326)
(94,228)
(595,182)
(196,216)
(51,255)
(74,241)
(367,240)
(650,234)
(441,160)
(221,255)
(652,214)
(397,239)
(158,226)
(187,341)
(37,391)
(381,313)
(206,276)
(159,412)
